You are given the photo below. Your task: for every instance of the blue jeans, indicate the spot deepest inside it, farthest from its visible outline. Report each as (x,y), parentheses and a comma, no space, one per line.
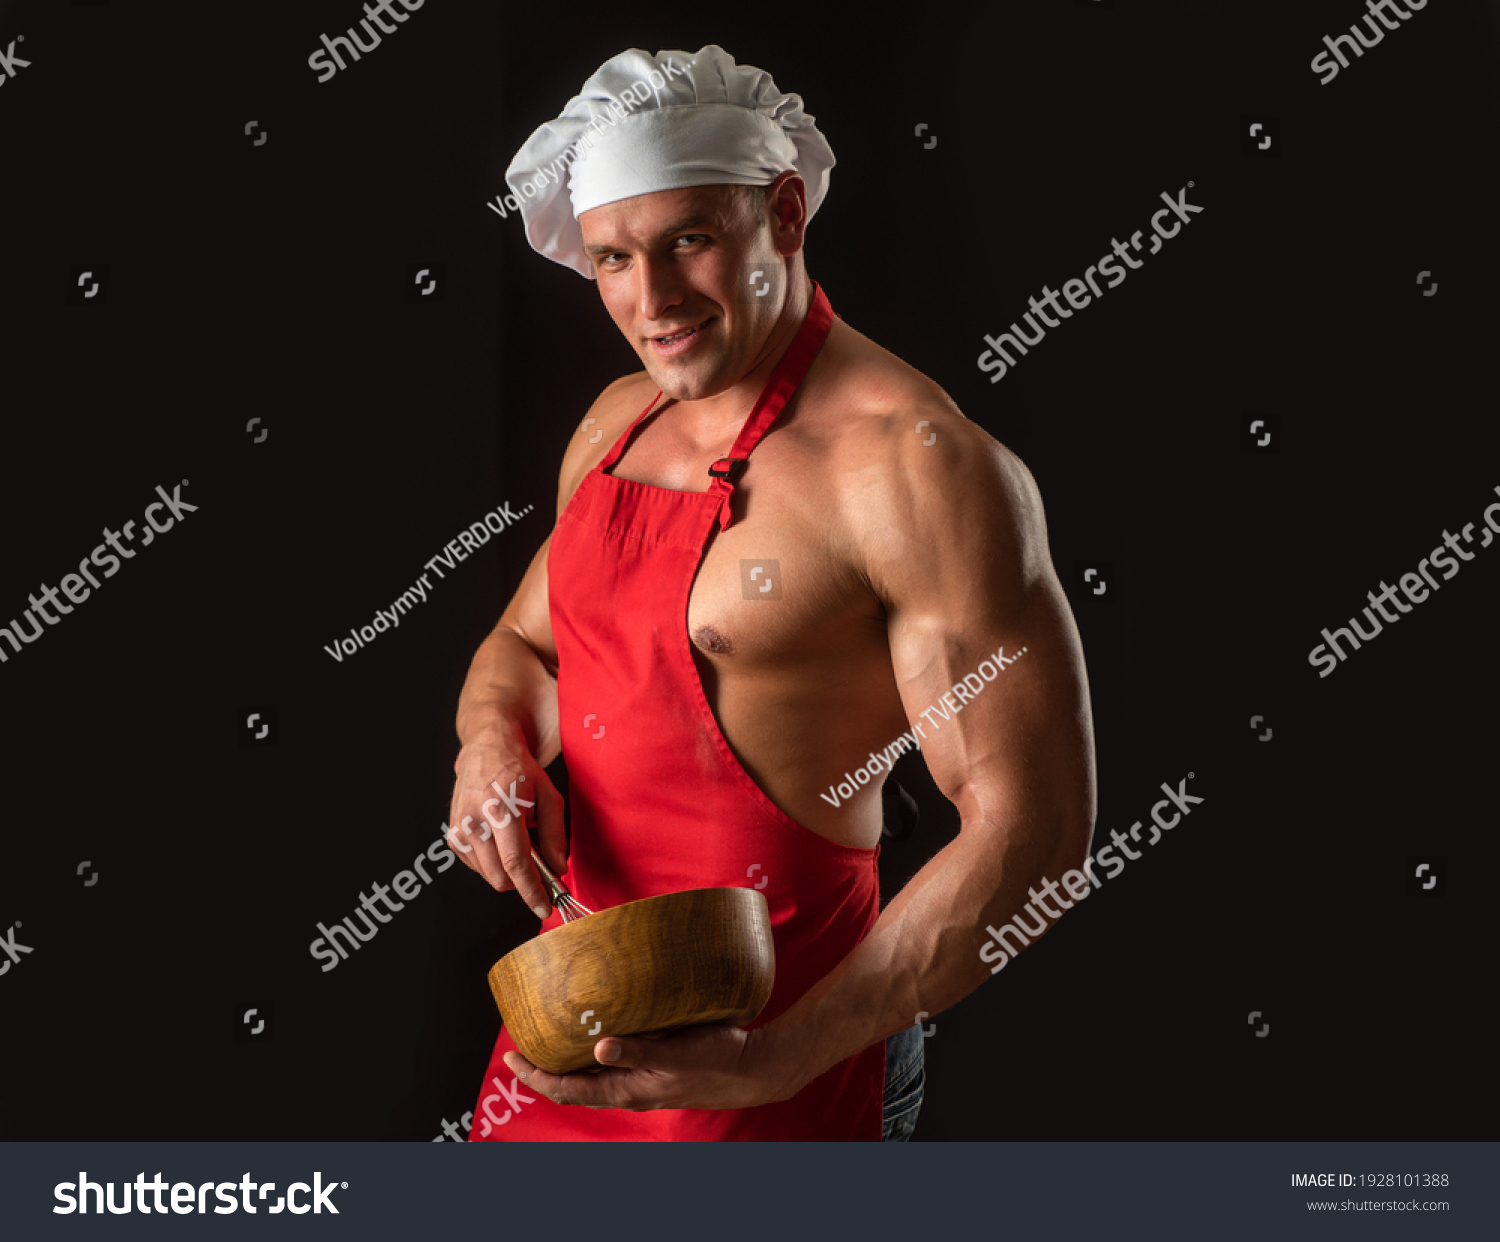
(905,1079)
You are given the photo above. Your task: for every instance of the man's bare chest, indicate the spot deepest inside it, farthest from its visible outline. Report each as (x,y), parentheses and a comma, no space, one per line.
(775,589)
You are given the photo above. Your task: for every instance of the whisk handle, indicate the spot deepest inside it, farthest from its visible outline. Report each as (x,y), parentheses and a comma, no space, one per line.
(555,890)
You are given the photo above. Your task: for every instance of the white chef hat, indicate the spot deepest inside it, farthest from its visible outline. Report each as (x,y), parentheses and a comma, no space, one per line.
(645,123)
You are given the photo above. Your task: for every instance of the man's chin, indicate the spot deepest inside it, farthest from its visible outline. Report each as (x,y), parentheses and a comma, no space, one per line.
(686,383)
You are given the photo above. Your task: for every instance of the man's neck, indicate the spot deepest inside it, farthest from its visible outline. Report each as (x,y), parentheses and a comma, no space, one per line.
(710,417)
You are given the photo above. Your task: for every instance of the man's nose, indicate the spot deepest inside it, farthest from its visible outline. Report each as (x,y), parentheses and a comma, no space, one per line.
(658,290)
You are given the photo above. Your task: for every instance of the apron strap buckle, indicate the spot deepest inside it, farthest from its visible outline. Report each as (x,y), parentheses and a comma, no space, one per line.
(732,465)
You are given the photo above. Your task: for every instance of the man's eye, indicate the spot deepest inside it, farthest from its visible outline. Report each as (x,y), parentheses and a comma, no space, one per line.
(689,238)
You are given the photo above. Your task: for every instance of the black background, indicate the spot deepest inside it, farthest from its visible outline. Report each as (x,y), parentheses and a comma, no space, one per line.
(270,281)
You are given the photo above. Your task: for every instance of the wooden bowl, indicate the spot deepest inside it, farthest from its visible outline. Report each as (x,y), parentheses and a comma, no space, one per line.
(645,968)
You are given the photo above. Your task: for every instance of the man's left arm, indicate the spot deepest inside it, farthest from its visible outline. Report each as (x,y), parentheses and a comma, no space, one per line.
(958,554)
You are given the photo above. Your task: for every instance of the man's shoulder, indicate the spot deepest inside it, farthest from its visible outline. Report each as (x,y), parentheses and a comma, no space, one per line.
(612,411)
(909,470)
(617,406)
(634,389)
(882,415)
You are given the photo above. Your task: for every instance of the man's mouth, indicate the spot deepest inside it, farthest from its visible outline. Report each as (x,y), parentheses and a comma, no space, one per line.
(676,342)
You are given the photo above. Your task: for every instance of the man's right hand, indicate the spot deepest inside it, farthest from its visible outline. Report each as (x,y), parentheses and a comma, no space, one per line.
(496,773)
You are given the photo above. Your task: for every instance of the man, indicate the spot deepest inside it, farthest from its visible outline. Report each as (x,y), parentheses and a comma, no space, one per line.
(778,549)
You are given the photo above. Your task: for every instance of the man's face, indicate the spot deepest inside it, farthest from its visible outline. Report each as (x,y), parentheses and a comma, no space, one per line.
(678,260)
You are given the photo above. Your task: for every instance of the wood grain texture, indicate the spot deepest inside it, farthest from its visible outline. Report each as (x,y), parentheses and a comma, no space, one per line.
(645,968)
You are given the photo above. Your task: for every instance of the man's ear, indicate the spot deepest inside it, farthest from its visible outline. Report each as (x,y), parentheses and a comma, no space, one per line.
(787,198)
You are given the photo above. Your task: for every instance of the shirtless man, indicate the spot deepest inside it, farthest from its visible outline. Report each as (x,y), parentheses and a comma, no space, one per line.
(910,550)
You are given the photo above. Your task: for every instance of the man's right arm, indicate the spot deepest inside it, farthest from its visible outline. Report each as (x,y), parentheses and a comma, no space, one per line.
(507,718)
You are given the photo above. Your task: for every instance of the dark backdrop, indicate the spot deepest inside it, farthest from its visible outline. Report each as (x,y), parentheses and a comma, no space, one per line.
(242,280)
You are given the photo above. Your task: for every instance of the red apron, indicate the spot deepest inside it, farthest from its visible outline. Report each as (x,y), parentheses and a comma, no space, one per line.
(660,804)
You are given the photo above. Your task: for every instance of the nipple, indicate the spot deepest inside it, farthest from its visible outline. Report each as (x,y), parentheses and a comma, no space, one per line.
(711,641)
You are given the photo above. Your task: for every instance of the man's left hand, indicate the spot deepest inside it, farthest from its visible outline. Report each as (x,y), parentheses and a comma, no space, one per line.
(699,1067)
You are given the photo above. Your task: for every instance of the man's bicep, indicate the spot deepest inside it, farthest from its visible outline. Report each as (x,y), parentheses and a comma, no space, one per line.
(988,659)
(528,613)
(1004,704)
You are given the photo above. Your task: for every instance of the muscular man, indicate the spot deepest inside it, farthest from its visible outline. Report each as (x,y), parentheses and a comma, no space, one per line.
(786,549)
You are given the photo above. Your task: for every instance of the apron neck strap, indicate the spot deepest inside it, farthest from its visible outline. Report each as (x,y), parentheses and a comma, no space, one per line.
(784,381)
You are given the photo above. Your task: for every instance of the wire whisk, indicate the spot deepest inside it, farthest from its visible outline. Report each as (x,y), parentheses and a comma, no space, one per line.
(567,905)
